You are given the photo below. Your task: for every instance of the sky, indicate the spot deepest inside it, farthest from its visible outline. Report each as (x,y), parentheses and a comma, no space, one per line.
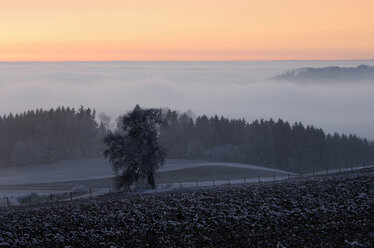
(154,30)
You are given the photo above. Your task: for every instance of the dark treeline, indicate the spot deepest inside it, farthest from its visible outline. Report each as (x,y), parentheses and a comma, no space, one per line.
(270,143)
(329,74)
(43,136)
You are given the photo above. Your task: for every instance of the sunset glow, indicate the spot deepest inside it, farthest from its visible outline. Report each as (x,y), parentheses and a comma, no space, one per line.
(83,30)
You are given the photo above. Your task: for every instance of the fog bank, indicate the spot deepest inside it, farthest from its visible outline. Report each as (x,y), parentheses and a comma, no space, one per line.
(232,89)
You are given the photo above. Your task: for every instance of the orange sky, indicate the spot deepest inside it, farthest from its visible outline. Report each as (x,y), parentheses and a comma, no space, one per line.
(51,30)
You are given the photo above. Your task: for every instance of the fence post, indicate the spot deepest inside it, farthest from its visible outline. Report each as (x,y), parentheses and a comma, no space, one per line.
(327,171)
(30,200)
(214,183)
(259,180)
(229,182)
(274,178)
(244,179)
(180,184)
(7,201)
(197,185)
(90,192)
(71,196)
(50,196)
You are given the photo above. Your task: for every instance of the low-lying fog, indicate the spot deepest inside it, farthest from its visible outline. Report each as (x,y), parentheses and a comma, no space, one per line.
(232,89)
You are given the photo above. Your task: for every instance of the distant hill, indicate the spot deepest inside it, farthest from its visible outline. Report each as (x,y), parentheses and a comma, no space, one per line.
(361,73)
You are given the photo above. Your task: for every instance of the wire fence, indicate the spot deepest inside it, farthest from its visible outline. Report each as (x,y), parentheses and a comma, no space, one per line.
(60,195)
(257,179)
(69,195)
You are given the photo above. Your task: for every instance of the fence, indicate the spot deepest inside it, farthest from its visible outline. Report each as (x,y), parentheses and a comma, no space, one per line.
(63,195)
(213,182)
(33,198)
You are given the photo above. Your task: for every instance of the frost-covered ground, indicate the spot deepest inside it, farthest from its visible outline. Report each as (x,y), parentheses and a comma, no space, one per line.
(96,169)
(323,211)
(97,174)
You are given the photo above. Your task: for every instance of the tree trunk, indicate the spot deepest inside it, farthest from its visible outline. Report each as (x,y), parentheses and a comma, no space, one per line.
(151,181)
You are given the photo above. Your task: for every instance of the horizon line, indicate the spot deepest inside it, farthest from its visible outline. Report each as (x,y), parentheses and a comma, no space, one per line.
(258,60)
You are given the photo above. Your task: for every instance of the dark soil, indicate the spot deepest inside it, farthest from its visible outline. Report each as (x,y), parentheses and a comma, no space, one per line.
(323,211)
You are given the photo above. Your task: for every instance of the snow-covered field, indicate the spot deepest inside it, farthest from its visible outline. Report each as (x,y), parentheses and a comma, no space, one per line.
(97,173)
(321,211)
(55,172)
(98,168)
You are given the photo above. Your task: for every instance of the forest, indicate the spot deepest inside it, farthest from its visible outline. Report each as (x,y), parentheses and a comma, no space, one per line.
(361,73)
(276,144)
(45,136)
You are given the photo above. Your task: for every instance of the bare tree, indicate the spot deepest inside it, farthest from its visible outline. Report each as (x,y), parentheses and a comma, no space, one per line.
(134,150)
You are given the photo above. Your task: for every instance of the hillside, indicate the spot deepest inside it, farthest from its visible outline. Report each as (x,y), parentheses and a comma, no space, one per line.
(97,174)
(362,73)
(327,211)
